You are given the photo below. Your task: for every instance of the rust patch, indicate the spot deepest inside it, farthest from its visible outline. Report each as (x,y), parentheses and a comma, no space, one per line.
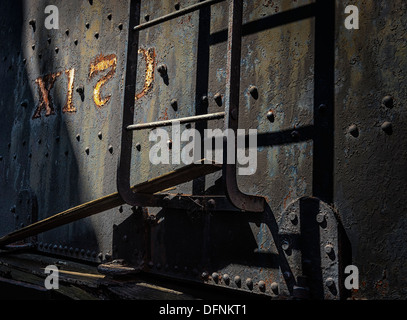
(149,57)
(101,63)
(69,104)
(45,84)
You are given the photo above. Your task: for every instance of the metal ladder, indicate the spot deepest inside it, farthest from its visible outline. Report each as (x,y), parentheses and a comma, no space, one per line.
(234,200)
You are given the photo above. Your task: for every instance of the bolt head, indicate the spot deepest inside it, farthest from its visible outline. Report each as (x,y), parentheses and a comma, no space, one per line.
(329,249)
(285,245)
(387,127)
(353,130)
(274,287)
(329,282)
(262,285)
(270,116)
(388,102)
(162,69)
(226,278)
(292,216)
(320,217)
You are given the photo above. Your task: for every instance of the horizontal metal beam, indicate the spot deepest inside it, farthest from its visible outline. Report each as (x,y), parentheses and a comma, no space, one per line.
(176,14)
(164,123)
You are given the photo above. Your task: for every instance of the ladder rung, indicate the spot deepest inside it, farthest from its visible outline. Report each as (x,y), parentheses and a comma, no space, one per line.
(176,14)
(164,123)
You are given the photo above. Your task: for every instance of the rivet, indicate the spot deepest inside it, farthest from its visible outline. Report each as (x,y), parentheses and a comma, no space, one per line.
(176,268)
(66,152)
(320,217)
(274,287)
(295,135)
(75,42)
(211,203)
(93,254)
(138,146)
(49,40)
(218,98)
(169,143)
(56,49)
(40,244)
(78,137)
(1,158)
(125,238)
(14,156)
(174,104)
(82,251)
(262,285)
(121,209)
(388,102)
(292,216)
(215,276)
(88,253)
(13,209)
(57,138)
(329,249)
(353,130)
(322,108)
(100,256)
(46,154)
(87,25)
(285,245)
(100,135)
(147,17)
(237,280)
(76,250)
(204,275)
(387,127)
(40,56)
(70,249)
(87,150)
(60,248)
(32,23)
(177,6)
(66,248)
(270,116)
(120,26)
(150,264)
(67,32)
(110,148)
(329,282)
(204,99)
(158,266)
(24,61)
(254,92)
(249,283)
(226,278)
(97,35)
(109,16)
(162,69)
(8,145)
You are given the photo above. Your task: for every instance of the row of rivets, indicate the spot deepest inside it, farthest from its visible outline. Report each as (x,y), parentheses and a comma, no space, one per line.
(72,250)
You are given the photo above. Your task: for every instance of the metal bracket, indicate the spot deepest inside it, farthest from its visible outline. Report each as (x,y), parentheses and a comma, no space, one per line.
(309,244)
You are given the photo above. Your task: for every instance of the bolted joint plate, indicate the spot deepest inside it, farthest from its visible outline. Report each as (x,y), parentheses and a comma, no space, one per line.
(309,250)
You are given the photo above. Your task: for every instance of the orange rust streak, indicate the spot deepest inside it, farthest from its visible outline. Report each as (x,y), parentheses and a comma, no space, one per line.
(149,57)
(69,104)
(101,63)
(45,84)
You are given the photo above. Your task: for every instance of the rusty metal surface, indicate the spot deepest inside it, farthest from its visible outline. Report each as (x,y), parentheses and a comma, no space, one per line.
(327,103)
